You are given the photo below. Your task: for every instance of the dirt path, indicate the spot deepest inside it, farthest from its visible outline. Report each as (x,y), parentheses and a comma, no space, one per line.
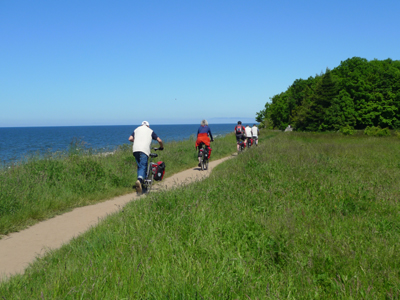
(19,249)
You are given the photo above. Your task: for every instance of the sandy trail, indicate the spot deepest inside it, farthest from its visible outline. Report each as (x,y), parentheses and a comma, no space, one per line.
(19,249)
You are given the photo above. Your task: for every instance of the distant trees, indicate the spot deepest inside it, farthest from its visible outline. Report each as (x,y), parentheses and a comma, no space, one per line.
(356,94)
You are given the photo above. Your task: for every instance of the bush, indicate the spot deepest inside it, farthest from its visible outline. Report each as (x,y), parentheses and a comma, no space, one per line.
(347,130)
(384,132)
(376,131)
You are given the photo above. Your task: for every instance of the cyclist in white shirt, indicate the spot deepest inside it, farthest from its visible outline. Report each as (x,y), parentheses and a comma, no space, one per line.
(247,133)
(255,132)
(141,139)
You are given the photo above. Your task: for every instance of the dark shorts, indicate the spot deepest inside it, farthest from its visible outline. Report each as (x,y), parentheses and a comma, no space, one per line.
(255,137)
(239,137)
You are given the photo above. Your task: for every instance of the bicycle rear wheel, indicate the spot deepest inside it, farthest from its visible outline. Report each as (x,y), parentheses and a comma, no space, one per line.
(148,183)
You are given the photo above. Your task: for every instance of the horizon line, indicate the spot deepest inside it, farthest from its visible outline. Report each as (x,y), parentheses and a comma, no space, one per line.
(40,126)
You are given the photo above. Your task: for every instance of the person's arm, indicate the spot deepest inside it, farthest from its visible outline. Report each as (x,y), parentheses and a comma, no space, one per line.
(161,143)
(209,131)
(155,137)
(131,139)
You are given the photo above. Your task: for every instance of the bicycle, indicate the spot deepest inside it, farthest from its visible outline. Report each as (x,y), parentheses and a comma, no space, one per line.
(151,171)
(255,139)
(242,146)
(203,153)
(249,142)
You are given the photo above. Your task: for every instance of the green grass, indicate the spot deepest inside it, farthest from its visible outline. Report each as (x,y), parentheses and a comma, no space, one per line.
(302,216)
(44,187)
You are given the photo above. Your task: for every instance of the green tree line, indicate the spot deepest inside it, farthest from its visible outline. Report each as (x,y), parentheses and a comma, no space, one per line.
(357,94)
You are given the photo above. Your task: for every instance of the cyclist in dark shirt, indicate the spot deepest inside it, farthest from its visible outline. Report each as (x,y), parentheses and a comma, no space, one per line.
(239,131)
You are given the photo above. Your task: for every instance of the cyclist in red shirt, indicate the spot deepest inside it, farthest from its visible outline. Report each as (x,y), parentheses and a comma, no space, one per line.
(203,136)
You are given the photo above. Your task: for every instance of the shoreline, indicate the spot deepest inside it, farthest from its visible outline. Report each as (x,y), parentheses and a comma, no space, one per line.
(49,141)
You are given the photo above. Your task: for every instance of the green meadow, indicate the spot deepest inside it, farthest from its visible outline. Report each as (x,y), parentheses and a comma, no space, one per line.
(301,216)
(43,187)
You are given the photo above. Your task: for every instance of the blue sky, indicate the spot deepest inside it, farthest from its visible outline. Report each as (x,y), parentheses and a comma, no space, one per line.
(174,62)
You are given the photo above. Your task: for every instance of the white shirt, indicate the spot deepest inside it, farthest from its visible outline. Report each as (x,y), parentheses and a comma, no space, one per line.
(142,140)
(254,131)
(248,131)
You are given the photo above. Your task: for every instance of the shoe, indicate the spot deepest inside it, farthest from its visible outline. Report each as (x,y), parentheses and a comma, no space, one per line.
(199,165)
(138,187)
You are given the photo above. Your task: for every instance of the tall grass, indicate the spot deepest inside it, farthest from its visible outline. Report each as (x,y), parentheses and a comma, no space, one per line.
(301,216)
(42,187)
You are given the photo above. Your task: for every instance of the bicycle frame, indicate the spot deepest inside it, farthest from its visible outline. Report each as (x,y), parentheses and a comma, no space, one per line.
(204,157)
(148,181)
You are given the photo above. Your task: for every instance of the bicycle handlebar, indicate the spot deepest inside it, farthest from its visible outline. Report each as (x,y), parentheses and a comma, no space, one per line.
(155,149)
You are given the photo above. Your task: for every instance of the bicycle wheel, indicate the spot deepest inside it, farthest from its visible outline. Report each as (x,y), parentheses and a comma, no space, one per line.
(206,164)
(202,163)
(151,178)
(148,183)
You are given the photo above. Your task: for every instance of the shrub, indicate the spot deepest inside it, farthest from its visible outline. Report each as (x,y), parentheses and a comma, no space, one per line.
(347,130)
(384,132)
(376,131)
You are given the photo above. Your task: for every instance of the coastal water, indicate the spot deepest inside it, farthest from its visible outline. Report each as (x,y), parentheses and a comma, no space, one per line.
(17,143)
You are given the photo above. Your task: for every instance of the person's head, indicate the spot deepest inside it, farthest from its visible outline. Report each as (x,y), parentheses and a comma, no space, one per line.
(204,123)
(247,125)
(239,122)
(146,123)
(254,124)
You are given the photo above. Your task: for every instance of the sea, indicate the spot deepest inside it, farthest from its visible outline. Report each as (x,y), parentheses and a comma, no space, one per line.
(19,143)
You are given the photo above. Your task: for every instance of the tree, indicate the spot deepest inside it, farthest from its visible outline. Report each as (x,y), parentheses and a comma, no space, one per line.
(358,93)
(324,95)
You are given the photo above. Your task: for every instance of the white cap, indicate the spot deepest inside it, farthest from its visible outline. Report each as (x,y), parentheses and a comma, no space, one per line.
(145,123)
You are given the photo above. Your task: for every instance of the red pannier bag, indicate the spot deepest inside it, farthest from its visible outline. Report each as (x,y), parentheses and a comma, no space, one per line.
(158,170)
(208,152)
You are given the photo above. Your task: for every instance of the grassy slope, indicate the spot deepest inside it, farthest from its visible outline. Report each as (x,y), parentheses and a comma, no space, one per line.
(300,216)
(42,188)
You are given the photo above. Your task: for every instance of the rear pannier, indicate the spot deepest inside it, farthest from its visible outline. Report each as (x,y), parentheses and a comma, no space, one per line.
(158,170)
